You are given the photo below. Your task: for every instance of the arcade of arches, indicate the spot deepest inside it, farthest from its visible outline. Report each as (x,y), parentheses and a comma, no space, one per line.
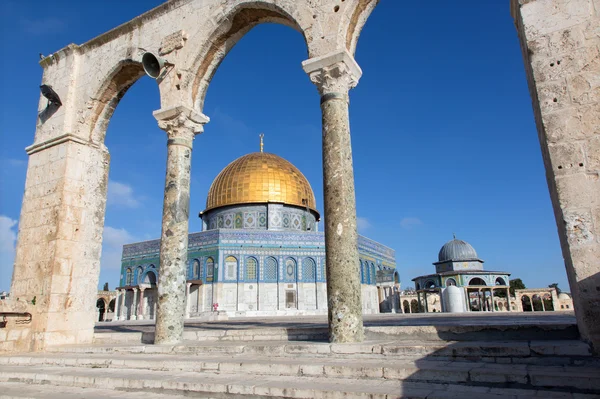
(62,216)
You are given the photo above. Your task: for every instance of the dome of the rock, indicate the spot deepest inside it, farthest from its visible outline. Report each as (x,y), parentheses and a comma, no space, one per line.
(260,177)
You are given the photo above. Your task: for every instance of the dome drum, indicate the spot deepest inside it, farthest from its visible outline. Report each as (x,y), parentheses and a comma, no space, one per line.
(270,216)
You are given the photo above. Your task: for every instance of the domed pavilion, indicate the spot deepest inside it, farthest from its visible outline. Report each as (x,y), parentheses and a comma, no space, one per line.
(459,265)
(260,251)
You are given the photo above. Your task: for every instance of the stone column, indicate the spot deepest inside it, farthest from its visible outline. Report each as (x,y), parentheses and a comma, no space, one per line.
(508,300)
(123,308)
(142,307)
(134,304)
(117,305)
(187,300)
(555,301)
(492,299)
(559,42)
(181,125)
(335,74)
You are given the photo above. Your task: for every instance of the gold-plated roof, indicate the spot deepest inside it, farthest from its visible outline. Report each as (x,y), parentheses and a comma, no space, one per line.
(260,177)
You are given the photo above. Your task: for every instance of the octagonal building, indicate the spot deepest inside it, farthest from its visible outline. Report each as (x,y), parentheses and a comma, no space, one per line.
(260,252)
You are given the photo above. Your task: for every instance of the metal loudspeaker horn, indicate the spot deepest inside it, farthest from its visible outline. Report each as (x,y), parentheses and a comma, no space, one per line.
(153,64)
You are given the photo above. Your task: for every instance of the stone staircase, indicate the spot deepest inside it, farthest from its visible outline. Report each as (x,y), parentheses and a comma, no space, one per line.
(374,369)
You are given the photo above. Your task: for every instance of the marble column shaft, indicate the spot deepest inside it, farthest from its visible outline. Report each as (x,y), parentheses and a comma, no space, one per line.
(181,127)
(117,305)
(134,305)
(335,75)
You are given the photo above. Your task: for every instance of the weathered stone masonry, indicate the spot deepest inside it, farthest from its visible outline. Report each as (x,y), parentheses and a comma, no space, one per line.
(560,41)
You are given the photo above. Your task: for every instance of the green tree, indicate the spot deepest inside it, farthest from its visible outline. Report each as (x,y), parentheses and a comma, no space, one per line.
(555,286)
(516,284)
(105,287)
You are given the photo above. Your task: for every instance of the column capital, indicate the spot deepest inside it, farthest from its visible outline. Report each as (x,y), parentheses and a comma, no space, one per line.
(134,289)
(334,73)
(181,124)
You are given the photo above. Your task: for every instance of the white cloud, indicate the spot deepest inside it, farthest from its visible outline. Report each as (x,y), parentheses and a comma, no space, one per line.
(362,223)
(112,247)
(410,222)
(121,194)
(8,238)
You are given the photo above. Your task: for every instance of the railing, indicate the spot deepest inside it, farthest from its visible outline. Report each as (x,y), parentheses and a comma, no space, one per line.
(4,315)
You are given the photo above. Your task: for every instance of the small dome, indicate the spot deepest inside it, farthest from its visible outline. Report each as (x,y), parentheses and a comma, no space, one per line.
(457,250)
(563,295)
(260,177)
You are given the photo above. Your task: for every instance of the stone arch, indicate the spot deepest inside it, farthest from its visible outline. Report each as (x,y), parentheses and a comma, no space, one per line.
(477,281)
(414,306)
(102,308)
(123,75)
(357,15)
(234,24)
(500,281)
(429,284)
(527,304)
(150,277)
(406,306)
(450,282)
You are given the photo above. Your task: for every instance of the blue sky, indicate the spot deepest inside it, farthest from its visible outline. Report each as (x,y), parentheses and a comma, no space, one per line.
(443,134)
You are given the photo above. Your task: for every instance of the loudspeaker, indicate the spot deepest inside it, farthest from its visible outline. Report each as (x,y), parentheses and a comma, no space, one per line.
(152,65)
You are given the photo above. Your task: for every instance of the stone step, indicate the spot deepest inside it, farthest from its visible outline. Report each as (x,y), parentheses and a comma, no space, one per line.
(580,379)
(240,385)
(16,390)
(534,352)
(467,332)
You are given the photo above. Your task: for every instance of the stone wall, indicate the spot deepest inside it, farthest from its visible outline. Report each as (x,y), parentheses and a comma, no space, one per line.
(560,41)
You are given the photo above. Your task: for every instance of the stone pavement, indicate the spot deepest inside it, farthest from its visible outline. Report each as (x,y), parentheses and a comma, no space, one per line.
(430,327)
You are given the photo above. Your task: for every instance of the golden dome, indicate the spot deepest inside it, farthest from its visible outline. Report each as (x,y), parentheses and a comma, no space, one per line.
(260,177)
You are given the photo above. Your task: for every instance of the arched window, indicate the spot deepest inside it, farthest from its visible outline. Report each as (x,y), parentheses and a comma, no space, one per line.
(271,269)
(373,274)
(251,269)
(309,270)
(210,270)
(231,268)
(138,275)
(500,281)
(195,269)
(362,272)
(128,277)
(290,269)
(450,282)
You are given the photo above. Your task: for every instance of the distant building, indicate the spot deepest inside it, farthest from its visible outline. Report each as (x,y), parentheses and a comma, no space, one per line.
(459,266)
(461,284)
